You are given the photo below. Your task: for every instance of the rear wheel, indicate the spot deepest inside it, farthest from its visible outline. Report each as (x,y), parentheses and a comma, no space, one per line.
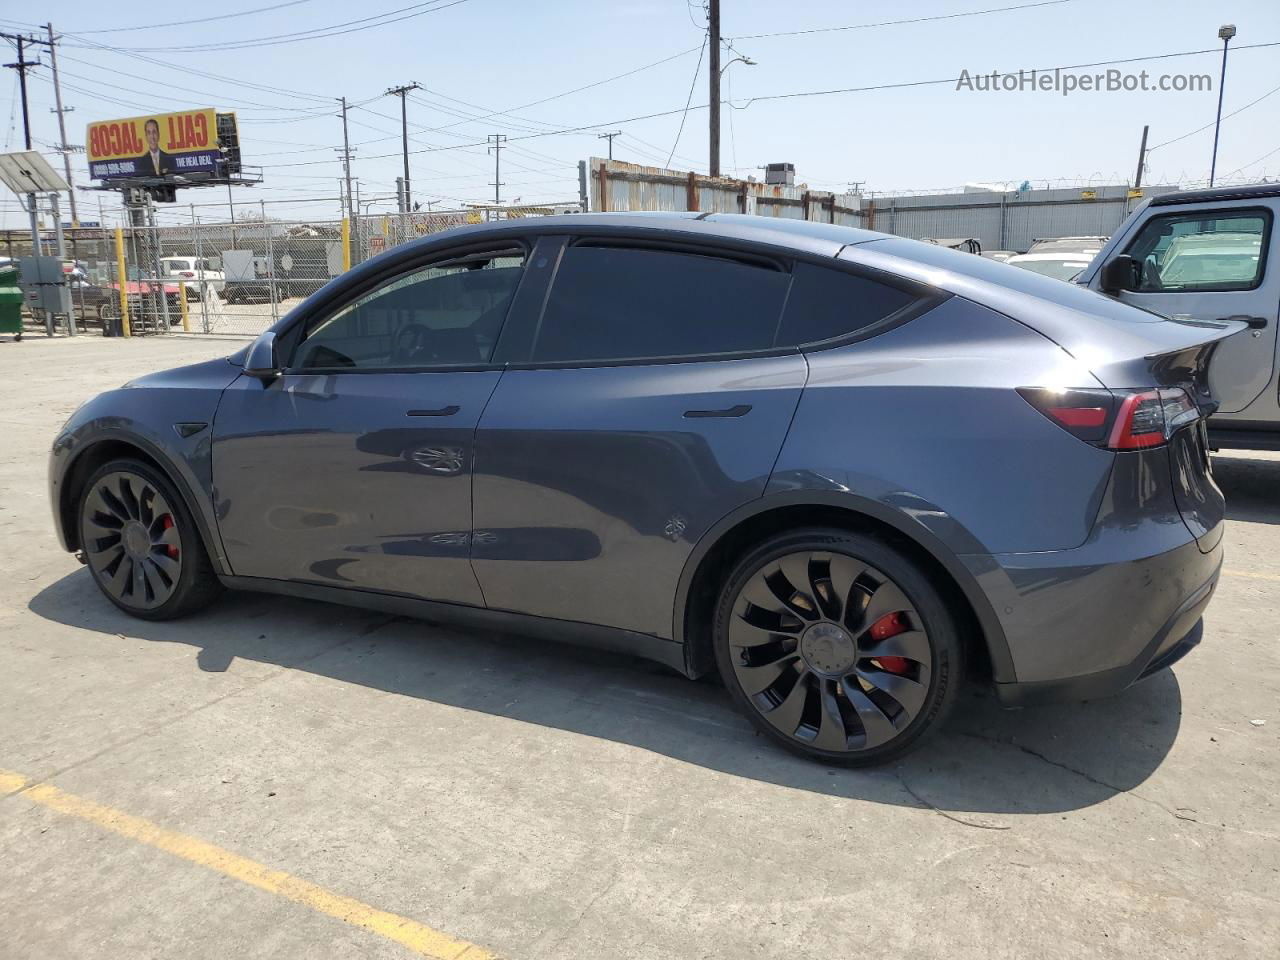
(141,544)
(837,646)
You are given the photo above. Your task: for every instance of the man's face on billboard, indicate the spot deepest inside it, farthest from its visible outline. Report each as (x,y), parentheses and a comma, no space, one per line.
(152,131)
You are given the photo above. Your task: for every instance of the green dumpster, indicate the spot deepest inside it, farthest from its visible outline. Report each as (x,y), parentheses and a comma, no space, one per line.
(10,302)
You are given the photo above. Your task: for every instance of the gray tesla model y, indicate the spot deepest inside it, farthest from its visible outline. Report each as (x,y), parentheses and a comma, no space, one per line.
(846,471)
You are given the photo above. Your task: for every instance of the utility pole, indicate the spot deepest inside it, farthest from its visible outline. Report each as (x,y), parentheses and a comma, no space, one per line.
(609,137)
(346,161)
(22,66)
(63,147)
(713,103)
(496,140)
(1142,157)
(402,92)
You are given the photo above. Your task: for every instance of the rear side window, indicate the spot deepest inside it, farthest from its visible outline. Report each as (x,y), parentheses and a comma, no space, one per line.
(825,304)
(620,303)
(1202,251)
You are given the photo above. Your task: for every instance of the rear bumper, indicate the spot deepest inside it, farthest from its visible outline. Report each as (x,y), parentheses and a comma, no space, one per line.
(1176,639)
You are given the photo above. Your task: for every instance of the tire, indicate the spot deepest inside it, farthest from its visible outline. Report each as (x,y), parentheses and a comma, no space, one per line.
(801,660)
(149,566)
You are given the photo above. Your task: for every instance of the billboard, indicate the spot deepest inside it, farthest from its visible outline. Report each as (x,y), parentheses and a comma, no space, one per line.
(159,145)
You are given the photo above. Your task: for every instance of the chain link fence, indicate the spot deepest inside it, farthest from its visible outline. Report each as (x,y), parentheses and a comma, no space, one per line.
(228,278)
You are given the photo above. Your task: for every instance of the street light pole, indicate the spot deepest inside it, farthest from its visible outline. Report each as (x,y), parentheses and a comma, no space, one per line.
(1225,33)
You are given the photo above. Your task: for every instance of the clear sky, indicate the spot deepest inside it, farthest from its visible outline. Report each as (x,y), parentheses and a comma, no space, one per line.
(475,57)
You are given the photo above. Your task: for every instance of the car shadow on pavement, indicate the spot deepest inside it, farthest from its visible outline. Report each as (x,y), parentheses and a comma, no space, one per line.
(987,761)
(1251,486)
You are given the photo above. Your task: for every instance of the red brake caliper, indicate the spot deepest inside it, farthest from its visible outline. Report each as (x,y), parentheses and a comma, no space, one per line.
(890,625)
(171,550)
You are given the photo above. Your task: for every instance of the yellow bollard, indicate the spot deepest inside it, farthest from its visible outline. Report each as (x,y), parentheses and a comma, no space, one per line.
(346,244)
(122,279)
(182,303)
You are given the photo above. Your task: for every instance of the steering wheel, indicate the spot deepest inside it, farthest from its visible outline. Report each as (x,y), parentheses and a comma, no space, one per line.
(411,344)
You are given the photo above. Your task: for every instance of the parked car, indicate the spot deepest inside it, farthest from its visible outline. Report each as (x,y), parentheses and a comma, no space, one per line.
(258,290)
(193,271)
(1001,255)
(844,470)
(1089,245)
(102,300)
(1209,255)
(965,244)
(1060,266)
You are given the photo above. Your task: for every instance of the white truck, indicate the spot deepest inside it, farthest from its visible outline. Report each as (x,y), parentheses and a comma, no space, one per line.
(1210,255)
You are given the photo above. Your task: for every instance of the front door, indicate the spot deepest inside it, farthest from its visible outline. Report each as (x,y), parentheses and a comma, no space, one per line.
(353,468)
(649,405)
(1209,264)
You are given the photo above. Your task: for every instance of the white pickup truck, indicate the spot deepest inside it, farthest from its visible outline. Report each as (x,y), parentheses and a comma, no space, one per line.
(1210,255)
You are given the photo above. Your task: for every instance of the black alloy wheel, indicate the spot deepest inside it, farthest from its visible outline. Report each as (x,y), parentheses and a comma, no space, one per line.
(837,646)
(141,545)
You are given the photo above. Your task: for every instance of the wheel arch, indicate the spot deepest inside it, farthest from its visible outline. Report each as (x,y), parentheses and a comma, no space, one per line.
(712,558)
(109,446)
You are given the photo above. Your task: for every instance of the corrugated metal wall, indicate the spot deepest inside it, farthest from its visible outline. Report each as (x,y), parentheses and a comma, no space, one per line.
(999,221)
(629,186)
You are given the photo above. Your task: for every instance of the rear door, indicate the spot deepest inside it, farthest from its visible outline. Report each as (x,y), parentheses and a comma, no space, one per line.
(1211,262)
(645,404)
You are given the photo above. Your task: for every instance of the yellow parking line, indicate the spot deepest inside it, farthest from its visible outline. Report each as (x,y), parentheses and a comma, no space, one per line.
(417,937)
(1252,576)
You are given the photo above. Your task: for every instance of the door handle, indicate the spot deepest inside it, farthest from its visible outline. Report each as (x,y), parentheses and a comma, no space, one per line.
(1254,323)
(741,410)
(448,411)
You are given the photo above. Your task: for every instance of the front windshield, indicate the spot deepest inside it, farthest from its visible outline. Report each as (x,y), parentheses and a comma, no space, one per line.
(1058,269)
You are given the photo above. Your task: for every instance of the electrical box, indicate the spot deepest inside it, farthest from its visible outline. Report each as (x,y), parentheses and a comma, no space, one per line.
(44,285)
(780,173)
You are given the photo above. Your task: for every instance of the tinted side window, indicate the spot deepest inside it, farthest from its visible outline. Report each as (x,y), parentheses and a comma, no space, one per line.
(1202,251)
(615,303)
(448,314)
(827,303)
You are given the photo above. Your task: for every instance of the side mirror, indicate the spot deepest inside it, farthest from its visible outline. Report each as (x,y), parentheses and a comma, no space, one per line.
(1121,272)
(261,361)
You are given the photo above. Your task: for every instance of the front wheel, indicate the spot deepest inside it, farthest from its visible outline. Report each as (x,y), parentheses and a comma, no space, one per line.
(141,544)
(837,646)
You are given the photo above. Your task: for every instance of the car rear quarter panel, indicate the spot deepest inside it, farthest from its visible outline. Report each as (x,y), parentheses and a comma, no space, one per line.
(926,419)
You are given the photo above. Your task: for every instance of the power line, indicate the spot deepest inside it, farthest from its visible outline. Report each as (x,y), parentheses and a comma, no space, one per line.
(222,100)
(1208,125)
(1252,162)
(925,83)
(187,23)
(804,93)
(315,33)
(587,86)
(303,94)
(683,116)
(899,23)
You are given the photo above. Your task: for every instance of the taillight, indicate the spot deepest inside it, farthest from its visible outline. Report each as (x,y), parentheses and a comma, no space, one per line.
(1116,419)
(1085,414)
(186,273)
